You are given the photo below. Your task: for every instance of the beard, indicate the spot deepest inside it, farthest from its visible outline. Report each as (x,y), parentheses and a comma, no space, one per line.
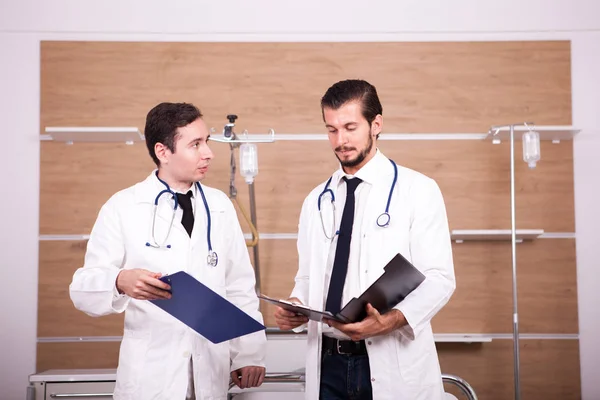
(359,158)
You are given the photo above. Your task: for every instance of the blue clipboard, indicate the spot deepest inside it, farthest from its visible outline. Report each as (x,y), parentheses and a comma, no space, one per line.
(205,311)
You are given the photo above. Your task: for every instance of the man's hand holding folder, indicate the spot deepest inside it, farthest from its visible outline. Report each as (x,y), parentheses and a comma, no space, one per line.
(372,313)
(288,320)
(374,324)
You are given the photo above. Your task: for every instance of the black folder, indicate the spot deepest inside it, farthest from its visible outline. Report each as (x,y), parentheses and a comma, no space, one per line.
(399,279)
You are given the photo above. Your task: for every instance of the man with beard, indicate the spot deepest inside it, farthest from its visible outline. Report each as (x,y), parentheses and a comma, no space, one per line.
(343,250)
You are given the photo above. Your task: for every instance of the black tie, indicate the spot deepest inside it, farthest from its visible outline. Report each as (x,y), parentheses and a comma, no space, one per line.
(185,202)
(342,251)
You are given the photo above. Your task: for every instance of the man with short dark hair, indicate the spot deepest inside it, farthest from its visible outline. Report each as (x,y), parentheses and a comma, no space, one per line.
(169,223)
(382,209)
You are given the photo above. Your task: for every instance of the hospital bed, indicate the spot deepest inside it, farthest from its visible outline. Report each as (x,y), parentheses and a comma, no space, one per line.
(99,384)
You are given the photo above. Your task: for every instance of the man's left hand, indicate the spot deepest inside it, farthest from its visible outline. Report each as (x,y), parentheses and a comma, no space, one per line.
(247,377)
(374,324)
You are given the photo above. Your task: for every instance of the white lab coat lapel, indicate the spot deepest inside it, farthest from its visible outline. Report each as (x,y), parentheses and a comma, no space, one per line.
(166,204)
(374,207)
(212,208)
(319,252)
(166,212)
(146,193)
(199,233)
(213,276)
(320,244)
(380,177)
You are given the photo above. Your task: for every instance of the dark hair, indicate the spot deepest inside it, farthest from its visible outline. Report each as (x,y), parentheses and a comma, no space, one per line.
(353,90)
(162,123)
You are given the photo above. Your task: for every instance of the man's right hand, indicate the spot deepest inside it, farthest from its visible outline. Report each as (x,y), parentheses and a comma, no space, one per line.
(142,284)
(287,320)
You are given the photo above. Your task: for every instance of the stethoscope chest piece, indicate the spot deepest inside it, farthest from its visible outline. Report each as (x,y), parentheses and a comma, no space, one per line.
(212,259)
(383,221)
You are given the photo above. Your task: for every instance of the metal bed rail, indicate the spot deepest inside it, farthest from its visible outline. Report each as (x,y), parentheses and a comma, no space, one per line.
(279,378)
(463,385)
(274,378)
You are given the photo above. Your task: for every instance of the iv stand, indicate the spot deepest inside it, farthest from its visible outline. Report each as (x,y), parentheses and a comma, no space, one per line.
(494,130)
(252,222)
(229,136)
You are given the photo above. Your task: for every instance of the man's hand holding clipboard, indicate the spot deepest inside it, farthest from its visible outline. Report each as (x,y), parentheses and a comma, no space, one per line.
(287,317)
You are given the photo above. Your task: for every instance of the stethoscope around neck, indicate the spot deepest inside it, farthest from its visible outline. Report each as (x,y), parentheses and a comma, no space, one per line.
(383,221)
(213,258)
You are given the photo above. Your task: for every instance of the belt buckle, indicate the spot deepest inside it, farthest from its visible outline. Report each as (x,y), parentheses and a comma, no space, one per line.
(337,341)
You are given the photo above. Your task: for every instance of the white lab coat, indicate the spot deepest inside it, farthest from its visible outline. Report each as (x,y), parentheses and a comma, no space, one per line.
(404,364)
(156,348)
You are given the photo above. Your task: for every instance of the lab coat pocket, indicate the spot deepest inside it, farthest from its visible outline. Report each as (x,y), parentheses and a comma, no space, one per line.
(132,357)
(212,371)
(414,360)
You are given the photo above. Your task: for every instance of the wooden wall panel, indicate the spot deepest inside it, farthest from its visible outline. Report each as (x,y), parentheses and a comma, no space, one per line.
(77,355)
(425,87)
(549,368)
(547,287)
(56,314)
(482,302)
(96,84)
(76,180)
(474,177)
(482,299)
(279,265)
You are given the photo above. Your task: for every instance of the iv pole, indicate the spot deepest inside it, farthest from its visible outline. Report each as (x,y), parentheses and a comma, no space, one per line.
(229,136)
(494,131)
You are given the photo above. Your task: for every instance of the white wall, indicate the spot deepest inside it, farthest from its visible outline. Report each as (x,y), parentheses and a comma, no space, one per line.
(19,210)
(586,115)
(24,23)
(309,16)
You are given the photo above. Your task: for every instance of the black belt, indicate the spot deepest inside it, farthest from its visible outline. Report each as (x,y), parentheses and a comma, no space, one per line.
(346,347)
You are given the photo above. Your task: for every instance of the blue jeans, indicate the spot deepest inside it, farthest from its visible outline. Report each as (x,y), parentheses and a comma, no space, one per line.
(345,377)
